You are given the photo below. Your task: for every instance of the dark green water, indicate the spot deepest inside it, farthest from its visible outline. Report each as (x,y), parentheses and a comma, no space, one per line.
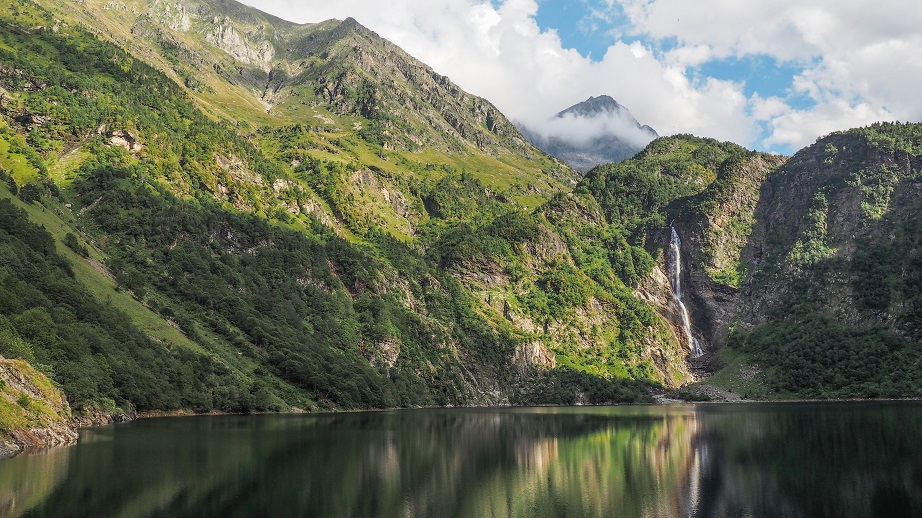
(839,459)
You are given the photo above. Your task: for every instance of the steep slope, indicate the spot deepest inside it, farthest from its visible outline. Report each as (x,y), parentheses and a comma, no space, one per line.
(557,280)
(331,95)
(34,412)
(186,265)
(799,273)
(596,131)
(831,305)
(707,192)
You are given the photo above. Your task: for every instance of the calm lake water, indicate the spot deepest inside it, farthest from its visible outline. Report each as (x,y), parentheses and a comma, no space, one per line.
(832,459)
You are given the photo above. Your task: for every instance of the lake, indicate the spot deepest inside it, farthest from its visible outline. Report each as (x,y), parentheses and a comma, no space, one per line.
(792,459)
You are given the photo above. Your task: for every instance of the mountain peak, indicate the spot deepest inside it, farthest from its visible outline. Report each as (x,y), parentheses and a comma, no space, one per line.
(594,106)
(599,130)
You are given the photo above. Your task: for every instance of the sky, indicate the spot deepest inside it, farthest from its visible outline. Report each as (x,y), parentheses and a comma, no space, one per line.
(771,75)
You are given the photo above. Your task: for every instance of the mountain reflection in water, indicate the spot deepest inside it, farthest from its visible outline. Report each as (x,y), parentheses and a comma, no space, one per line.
(845,459)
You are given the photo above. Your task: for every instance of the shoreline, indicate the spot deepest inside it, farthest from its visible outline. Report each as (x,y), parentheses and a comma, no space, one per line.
(38,440)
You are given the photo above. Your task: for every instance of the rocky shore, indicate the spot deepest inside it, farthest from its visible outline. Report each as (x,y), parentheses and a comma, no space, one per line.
(34,414)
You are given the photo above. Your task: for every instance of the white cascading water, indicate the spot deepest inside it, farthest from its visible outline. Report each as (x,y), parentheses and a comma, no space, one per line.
(676,279)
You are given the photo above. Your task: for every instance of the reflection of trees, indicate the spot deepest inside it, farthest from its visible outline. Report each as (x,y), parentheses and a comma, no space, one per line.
(854,459)
(27,480)
(632,466)
(426,463)
(623,461)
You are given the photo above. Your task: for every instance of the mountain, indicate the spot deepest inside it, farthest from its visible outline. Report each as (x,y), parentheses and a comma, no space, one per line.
(330,94)
(799,273)
(596,131)
(360,233)
(205,208)
(830,305)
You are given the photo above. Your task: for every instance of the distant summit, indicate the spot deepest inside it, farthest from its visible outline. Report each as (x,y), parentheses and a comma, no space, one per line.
(604,105)
(596,131)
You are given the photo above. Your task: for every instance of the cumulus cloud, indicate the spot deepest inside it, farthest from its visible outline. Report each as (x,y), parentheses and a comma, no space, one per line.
(795,128)
(583,131)
(858,61)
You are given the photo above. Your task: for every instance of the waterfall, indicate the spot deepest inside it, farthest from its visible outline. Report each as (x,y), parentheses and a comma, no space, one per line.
(675,244)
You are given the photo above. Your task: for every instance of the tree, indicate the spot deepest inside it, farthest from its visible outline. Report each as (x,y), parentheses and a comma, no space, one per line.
(29,193)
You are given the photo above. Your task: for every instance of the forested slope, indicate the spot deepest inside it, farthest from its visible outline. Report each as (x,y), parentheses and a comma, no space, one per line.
(182,265)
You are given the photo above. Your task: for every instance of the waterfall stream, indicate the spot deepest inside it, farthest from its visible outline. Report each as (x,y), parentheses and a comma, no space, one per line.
(675,244)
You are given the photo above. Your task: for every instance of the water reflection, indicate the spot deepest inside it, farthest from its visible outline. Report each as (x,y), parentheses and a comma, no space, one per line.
(717,460)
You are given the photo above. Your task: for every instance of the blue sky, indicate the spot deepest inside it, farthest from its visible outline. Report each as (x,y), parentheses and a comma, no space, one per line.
(591,27)
(772,75)
(579,27)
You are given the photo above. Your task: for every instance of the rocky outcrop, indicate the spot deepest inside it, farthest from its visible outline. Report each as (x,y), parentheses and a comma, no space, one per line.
(35,413)
(532,355)
(126,140)
(175,15)
(253,49)
(713,241)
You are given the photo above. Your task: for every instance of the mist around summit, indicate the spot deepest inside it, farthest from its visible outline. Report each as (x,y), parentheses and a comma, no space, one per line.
(596,131)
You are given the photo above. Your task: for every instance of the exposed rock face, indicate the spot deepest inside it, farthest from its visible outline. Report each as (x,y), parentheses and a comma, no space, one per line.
(654,289)
(126,140)
(334,59)
(533,355)
(404,88)
(254,50)
(587,330)
(38,413)
(839,221)
(172,14)
(714,241)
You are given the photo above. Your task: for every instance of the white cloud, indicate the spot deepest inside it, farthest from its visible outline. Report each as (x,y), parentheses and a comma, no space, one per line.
(797,128)
(860,61)
(581,131)
(767,109)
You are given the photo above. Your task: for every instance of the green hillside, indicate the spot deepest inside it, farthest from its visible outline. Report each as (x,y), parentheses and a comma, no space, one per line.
(305,217)
(834,309)
(188,263)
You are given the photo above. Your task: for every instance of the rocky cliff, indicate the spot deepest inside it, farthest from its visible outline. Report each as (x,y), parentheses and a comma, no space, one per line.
(33,412)
(806,268)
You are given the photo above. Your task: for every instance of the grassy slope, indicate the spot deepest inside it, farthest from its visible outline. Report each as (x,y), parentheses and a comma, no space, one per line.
(35,402)
(371,305)
(59,220)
